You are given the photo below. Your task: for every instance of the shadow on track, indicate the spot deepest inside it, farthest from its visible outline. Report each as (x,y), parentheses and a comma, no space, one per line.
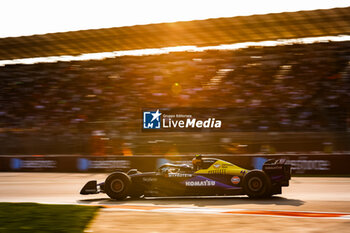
(197,201)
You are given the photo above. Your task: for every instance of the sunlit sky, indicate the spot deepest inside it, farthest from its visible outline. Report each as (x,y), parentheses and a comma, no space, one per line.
(28,17)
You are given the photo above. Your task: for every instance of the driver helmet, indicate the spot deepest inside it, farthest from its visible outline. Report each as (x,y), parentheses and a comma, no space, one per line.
(197,160)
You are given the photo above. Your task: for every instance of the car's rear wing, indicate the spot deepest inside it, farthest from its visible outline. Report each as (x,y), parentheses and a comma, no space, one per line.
(277,169)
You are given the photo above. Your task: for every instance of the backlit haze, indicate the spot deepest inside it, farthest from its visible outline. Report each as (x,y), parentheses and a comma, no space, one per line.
(19,17)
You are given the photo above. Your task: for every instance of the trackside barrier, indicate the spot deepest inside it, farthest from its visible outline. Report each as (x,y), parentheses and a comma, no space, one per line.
(312,164)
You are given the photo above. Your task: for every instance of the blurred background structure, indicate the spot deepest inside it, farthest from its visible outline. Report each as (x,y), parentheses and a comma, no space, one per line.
(299,92)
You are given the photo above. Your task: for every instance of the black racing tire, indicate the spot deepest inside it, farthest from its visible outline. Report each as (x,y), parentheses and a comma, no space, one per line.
(117,185)
(256,184)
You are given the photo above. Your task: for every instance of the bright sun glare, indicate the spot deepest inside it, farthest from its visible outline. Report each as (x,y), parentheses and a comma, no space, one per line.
(20,17)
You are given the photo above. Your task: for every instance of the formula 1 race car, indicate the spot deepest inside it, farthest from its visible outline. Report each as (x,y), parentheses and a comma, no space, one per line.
(214,177)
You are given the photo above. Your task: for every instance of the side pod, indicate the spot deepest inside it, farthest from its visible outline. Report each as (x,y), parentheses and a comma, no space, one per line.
(89,188)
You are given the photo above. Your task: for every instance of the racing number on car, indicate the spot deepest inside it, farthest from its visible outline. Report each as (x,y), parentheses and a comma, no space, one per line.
(243,172)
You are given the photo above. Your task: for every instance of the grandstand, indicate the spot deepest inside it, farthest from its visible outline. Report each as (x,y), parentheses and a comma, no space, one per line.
(298,94)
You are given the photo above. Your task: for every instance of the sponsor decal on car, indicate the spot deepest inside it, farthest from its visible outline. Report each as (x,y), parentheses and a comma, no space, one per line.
(90,190)
(235,180)
(220,171)
(200,183)
(149,179)
(273,167)
(179,175)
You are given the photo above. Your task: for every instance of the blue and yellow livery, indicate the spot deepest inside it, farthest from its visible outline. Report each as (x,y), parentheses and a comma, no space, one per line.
(213,177)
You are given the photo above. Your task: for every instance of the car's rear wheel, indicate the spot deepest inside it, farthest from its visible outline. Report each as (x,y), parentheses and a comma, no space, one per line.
(256,184)
(117,185)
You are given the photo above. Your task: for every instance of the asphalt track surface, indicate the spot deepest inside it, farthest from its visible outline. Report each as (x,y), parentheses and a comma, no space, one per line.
(307,205)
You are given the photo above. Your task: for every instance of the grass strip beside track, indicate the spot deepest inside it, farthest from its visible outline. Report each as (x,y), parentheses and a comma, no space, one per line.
(32,217)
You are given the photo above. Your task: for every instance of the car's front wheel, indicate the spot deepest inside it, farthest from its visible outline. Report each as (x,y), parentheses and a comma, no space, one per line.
(117,185)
